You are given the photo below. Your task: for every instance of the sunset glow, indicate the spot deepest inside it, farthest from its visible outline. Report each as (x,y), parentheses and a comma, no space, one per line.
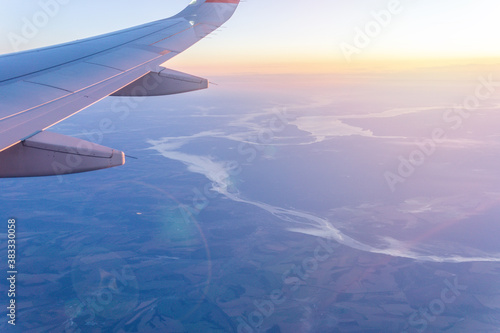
(287,36)
(250,166)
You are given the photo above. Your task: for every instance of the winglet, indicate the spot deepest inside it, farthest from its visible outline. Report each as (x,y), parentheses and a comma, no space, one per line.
(214,12)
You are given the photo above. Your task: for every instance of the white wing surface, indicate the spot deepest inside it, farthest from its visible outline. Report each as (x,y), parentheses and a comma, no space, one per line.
(39,88)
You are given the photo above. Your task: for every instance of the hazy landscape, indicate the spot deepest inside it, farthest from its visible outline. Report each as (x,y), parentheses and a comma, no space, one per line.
(273,203)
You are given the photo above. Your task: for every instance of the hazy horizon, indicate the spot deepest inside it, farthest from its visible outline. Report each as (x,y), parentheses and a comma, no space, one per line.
(340,174)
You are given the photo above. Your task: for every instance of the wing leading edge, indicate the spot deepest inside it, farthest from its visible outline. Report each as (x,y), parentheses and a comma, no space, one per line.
(40,88)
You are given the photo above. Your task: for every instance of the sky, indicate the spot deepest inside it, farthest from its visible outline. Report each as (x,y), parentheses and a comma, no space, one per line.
(283,35)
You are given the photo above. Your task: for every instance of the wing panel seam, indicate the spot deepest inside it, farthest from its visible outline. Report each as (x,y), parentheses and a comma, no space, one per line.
(87,56)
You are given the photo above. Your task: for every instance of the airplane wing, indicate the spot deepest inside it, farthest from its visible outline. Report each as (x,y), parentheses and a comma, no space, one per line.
(39,88)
